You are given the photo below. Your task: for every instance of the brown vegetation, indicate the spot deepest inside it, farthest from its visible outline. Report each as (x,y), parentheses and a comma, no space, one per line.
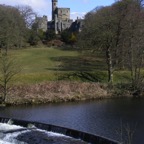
(55,42)
(56,92)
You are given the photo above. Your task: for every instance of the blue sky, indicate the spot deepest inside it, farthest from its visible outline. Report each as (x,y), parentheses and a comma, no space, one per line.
(43,7)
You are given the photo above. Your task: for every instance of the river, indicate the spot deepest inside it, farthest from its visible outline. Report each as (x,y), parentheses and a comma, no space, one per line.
(109,118)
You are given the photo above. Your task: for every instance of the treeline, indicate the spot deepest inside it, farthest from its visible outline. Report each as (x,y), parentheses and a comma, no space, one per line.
(15,24)
(18,28)
(117,31)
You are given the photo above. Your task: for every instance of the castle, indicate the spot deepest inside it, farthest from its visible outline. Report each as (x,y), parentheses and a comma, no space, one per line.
(60,20)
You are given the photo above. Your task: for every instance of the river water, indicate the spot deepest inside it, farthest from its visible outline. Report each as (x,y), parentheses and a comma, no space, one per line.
(113,118)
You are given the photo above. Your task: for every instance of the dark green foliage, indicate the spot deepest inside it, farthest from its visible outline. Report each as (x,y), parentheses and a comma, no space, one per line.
(15,26)
(66,36)
(50,35)
(41,34)
(33,38)
(12,27)
(69,37)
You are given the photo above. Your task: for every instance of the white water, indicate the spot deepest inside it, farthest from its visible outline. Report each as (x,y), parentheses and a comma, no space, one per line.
(4,142)
(6,127)
(10,138)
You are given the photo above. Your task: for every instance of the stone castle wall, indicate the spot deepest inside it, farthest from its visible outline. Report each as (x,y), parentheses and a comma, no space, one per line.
(60,20)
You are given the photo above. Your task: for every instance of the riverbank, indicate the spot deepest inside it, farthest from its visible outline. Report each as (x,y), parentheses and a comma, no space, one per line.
(43,67)
(59,91)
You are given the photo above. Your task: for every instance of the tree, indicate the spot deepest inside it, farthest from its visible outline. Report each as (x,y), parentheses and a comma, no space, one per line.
(116,30)
(33,38)
(50,35)
(99,34)
(12,27)
(66,36)
(28,15)
(8,69)
(131,43)
(134,41)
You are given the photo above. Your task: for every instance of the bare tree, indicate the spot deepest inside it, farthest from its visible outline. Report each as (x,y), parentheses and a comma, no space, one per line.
(133,40)
(99,34)
(118,31)
(8,69)
(28,15)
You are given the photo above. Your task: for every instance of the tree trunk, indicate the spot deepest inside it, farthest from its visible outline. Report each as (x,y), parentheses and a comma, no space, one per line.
(109,63)
(132,62)
(5,92)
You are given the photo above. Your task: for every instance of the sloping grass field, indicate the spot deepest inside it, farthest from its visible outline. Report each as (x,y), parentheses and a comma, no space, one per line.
(47,64)
(37,64)
(42,67)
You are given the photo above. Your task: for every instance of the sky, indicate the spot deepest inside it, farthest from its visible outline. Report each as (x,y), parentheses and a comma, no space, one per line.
(43,7)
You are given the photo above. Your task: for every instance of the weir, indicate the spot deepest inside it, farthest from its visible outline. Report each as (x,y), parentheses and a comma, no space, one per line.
(31,127)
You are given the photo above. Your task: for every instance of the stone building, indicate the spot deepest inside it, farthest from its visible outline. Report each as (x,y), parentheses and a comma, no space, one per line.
(41,23)
(60,20)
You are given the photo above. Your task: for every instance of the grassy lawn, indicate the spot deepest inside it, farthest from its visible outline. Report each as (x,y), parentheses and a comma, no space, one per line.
(46,64)
(39,64)
(36,60)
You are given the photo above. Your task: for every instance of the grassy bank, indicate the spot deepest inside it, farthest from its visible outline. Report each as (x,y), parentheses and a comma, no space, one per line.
(56,92)
(62,91)
(42,68)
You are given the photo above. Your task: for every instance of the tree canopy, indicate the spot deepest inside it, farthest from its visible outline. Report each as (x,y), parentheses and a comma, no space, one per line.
(15,24)
(117,31)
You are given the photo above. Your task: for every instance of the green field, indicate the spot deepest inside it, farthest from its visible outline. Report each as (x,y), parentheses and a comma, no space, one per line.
(39,64)
(48,64)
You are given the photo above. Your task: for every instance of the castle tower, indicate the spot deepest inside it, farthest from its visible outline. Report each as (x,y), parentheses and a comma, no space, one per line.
(54,6)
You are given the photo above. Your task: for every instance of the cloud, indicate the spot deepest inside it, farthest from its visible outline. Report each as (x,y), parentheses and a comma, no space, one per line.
(39,6)
(75,15)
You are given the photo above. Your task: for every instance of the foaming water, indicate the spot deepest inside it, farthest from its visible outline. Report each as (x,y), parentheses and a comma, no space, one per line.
(9,138)
(5,127)
(4,142)
(12,134)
